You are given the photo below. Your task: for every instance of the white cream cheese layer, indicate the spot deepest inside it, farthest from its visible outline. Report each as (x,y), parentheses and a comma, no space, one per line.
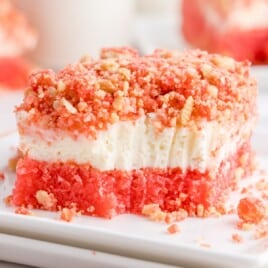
(132,145)
(242,16)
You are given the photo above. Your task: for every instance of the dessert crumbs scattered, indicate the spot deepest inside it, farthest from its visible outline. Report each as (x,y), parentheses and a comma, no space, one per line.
(244,226)
(24,211)
(154,213)
(67,214)
(231,210)
(202,243)
(237,238)
(205,245)
(2,176)
(262,184)
(8,200)
(222,210)
(12,162)
(261,231)
(173,229)
(244,190)
(251,210)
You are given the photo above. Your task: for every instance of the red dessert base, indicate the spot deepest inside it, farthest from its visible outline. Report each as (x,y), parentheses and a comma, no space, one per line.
(109,193)
(248,44)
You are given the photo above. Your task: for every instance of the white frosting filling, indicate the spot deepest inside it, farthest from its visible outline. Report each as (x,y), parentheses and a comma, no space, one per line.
(244,17)
(132,145)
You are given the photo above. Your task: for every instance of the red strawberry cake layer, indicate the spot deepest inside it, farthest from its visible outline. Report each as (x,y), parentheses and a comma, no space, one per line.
(235,28)
(111,135)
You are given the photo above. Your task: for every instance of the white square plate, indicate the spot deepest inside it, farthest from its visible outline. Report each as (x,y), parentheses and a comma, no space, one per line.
(38,253)
(136,237)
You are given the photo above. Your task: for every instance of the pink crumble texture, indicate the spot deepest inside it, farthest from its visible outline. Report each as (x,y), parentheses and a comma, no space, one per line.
(121,85)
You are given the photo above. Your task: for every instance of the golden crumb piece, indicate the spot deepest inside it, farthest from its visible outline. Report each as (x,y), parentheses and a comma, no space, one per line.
(8,200)
(187,110)
(236,238)
(12,162)
(205,245)
(251,210)
(150,208)
(244,226)
(212,91)
(200,210)
(45,199)
(173,229)
(69,107)
(24,211)
(202,242)
(67,214)
(261,231)
(153,212)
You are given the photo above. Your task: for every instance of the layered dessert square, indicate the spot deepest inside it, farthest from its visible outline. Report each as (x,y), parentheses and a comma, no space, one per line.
(116,134)
(236,28)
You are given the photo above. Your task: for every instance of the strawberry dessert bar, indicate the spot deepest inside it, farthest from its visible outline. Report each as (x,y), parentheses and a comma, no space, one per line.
(116,134)
(236,28)
(16,37)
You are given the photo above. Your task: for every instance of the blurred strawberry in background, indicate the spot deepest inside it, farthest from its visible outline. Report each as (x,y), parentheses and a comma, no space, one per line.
(238,28)
(16,37)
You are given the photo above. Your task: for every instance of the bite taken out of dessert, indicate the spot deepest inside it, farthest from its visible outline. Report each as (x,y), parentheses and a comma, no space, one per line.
(126,133)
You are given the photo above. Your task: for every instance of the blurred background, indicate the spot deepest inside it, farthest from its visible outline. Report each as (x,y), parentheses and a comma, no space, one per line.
(38,34)
(50,34)
(68,29)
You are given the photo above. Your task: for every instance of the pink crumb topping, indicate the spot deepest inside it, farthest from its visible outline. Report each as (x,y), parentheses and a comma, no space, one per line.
(122,85)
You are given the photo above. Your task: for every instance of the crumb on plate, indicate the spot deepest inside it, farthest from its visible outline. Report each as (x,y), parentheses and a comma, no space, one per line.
(173,229)
(8,200)
(155,213)
(244,226)
(24,211)
(67,214)
(237,238)
(261,231)
(12,162)
(251,210)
